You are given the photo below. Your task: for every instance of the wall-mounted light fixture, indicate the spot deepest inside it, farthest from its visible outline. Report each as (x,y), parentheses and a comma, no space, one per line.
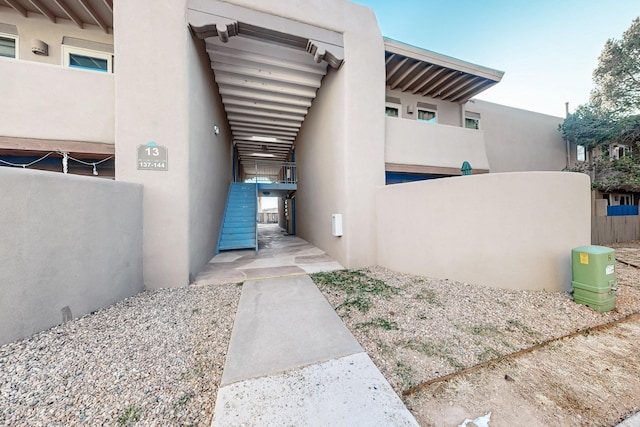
(216,129)
(39,47)
(409,109)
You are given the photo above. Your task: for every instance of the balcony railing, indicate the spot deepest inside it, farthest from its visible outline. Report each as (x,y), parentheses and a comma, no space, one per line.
(411,142)
(270,172)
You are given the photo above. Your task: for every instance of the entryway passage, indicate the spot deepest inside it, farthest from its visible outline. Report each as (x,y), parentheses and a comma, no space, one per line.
(278,255)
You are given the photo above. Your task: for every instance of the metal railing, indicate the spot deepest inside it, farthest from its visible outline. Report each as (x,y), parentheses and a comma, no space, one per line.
(265,171)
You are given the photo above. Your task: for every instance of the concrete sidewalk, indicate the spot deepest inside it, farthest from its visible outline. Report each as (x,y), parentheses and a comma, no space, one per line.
(291,361)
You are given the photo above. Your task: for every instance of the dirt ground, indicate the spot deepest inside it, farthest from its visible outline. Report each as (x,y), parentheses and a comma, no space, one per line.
(588,380)
(591,379)
(457,351)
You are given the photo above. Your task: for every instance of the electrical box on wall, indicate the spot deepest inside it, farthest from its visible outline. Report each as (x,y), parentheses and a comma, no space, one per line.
(336,224)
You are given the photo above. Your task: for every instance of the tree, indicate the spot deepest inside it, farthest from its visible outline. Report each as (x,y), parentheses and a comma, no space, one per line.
(588,126)
(611,120)
(617,76)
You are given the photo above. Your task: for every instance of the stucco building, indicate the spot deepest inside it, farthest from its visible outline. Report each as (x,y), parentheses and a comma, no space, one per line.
(217,86)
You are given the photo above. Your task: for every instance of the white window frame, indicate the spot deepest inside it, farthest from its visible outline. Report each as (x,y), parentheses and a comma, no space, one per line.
(581,153)
(16,39)
(477,119)
(393,105)
(67,51)
(427,110)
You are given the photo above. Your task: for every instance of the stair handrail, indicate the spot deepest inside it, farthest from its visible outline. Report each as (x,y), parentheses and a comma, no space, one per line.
(224,215)
(256,217)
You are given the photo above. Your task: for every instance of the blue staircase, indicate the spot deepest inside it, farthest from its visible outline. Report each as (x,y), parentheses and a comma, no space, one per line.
(239,226)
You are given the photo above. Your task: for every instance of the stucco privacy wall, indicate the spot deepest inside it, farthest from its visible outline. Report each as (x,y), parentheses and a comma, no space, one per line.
(209,159)
(508,230)
(152,104)
(70,245)
(520,140)
(340,149)
(411,142)
(83,100)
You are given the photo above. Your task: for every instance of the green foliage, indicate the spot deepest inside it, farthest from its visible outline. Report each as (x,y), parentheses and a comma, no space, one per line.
(357,287)
(379,323)
(612,116)
(588,126)
(130,416)
(617,76)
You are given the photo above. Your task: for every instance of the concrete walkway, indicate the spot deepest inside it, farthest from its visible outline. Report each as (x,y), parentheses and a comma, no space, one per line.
(279,255)
(292,362)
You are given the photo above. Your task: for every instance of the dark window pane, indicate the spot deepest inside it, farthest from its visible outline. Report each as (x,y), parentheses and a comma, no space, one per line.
(88,63)
(7,47)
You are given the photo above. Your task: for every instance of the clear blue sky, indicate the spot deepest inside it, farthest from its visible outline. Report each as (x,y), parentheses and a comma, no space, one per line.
(548,49)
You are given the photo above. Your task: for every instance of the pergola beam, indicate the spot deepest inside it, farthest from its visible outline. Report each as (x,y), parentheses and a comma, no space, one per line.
(17,7)
(96,18)
(43,10)
(70,13)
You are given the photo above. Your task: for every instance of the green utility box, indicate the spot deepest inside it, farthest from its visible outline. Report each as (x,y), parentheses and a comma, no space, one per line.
(594,277)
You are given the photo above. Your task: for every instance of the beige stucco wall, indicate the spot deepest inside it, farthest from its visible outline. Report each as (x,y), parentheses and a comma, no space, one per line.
(210,159)
(321,188)
(340,149)
(411,142)
(520,140)
(51,102)
(68,243)
(41,28)
(152,104)
(506,230)
(174,102)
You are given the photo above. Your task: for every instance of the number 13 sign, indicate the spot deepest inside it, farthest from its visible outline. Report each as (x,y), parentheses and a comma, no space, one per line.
(152,157)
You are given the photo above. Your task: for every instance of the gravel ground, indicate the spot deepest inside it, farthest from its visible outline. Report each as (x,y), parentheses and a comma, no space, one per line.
(157,358)
(417,329)
(152,359)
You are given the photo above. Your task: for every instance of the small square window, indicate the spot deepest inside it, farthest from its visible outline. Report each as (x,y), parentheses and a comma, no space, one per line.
(427,116)
(8,46)
(392,109)
(471,123)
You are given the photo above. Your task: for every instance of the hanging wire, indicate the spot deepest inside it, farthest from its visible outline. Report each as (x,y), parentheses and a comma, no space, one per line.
(26,165)
(89,163)
(65,162)
(94,164)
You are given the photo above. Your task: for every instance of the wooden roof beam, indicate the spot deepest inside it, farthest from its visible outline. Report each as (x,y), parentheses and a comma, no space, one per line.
(43,10)
(404,75)
(70,13)
(96,18)
(17,7)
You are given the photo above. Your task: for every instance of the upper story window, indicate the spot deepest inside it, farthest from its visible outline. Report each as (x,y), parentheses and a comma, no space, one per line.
(581,153)
(87,55)
(8,46)
(427,112)
(426,115)
(392,107)
(472,120)
(8,41)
